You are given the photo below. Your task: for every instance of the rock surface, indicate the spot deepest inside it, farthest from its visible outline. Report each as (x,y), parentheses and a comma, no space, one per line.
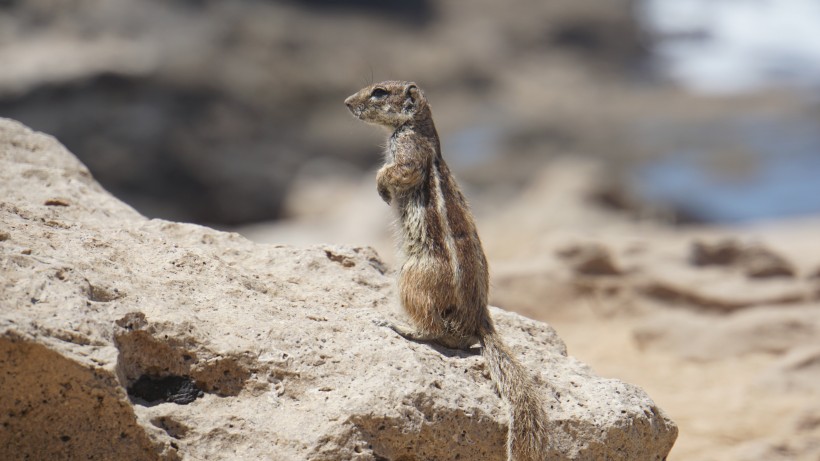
(236,350)
(720,325)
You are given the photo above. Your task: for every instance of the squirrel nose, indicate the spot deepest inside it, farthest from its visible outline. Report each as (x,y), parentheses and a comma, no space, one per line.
(349,101)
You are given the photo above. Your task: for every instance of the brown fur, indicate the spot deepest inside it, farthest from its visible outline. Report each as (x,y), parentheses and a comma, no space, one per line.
(444,279)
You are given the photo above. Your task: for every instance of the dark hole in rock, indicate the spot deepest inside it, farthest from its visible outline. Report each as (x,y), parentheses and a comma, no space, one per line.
(173,389)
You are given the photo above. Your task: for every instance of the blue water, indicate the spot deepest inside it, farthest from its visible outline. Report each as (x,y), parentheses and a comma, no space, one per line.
(719,47)
(779,175)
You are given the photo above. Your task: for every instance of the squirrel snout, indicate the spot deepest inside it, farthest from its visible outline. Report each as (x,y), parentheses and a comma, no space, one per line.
(354,108)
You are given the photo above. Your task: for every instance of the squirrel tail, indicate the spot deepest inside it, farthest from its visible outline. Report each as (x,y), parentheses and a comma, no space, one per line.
(527,439)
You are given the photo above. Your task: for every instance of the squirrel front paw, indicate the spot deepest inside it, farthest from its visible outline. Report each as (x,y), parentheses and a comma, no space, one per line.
(384,193)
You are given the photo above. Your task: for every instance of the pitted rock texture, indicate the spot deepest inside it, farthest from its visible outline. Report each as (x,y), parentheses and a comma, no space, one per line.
(279,342)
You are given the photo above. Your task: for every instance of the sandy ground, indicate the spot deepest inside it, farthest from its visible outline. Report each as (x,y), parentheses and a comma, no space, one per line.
(712,402)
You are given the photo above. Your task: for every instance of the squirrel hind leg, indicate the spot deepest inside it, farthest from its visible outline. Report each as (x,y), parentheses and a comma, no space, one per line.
(412,334)
(405,331)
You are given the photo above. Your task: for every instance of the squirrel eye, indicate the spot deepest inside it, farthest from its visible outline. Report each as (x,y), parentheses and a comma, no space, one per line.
(379,93)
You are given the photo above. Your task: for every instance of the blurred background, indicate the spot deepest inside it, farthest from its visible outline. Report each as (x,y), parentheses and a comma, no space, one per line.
(641,126)
(207,111)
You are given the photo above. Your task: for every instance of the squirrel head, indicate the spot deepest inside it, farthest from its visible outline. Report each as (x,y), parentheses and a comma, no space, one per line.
(390,104)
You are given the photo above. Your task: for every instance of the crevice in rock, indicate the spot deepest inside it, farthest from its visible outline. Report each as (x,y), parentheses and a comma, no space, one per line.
(163,357)
(345,261)
(151,390)
(171,426)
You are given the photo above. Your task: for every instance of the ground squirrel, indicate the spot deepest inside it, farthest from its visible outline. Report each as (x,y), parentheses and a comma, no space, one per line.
(444,280)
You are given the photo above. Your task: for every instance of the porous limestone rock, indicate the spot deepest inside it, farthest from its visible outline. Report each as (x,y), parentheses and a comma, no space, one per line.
(128,338)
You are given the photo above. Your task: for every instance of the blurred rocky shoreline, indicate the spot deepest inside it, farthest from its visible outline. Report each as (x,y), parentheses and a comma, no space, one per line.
(204,111)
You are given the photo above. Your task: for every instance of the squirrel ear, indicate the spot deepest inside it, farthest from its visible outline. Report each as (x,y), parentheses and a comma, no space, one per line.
(411,93)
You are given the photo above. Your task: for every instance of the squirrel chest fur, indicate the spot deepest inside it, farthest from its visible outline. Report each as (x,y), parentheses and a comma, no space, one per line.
(444,279)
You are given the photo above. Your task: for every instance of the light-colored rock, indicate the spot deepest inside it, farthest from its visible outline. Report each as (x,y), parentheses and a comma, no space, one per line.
(280,340)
